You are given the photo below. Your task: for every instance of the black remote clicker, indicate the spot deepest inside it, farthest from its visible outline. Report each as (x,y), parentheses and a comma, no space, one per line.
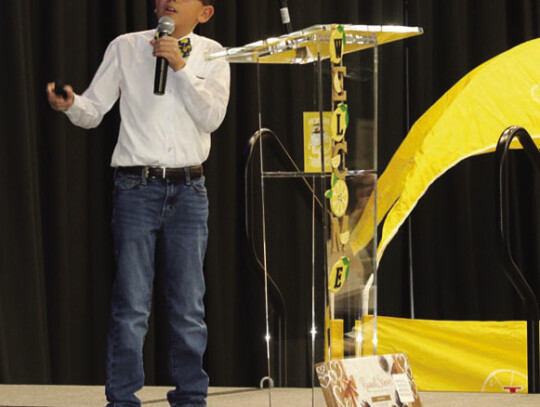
(59,89)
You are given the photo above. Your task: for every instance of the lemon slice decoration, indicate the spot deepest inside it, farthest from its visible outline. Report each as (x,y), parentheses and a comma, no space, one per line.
(339,274)
(506,381)
(338,196)
(339,122)
(337,83)
(344,237)
(336,160)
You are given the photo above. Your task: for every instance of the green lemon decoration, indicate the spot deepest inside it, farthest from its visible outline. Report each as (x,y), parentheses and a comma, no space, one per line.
(339,122)
(337,44)
(339,274)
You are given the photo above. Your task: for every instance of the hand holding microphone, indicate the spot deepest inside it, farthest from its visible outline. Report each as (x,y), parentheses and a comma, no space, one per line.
(167,48)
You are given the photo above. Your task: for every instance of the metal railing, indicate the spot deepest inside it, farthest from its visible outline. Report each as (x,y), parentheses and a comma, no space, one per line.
(511,270)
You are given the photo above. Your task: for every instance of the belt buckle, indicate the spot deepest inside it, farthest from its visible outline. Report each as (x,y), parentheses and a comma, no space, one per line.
(164,172)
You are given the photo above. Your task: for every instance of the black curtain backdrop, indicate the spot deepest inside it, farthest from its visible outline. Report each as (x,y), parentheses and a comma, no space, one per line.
(56,261)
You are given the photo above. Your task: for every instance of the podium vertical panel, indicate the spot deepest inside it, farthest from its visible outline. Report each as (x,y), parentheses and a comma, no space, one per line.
(315,174)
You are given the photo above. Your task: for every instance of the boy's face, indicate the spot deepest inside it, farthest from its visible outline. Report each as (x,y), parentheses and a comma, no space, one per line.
(185,13)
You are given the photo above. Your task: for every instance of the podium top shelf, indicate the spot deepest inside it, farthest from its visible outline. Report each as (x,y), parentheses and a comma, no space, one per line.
(304,46)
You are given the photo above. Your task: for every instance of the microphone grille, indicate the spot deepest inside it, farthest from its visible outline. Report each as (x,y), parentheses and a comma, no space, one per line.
(165,25)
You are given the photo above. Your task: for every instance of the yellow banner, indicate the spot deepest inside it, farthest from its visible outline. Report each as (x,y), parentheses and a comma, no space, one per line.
(466,356)
(312,141)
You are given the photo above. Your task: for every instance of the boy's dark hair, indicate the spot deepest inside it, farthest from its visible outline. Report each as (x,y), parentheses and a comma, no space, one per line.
(208,2)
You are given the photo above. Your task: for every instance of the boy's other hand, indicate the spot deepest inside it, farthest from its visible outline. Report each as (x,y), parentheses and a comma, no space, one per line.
(58,102)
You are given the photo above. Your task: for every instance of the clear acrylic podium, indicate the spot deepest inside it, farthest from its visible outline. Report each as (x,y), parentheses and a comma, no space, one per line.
(328,152)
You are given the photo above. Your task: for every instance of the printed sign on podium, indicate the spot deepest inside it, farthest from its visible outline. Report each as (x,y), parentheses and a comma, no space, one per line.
(374,381)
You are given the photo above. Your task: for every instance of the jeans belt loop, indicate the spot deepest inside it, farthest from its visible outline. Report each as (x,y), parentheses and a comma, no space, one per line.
(144,175)
(187,176)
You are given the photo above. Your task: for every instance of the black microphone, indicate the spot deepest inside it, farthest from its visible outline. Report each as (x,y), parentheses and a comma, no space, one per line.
(165,27)
(285,16)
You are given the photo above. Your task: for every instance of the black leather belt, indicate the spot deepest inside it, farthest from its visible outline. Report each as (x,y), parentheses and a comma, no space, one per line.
(195,171)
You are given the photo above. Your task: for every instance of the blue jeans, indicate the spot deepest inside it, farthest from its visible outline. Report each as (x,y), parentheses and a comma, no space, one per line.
(165,219)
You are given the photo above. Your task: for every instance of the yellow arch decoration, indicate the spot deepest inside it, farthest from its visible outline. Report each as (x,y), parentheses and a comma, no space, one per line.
(466,121)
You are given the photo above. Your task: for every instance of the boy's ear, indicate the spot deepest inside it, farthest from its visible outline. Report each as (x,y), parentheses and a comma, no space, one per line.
(206,14)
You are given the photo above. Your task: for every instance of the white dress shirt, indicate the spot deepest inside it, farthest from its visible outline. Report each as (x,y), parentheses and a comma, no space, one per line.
(171,130)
